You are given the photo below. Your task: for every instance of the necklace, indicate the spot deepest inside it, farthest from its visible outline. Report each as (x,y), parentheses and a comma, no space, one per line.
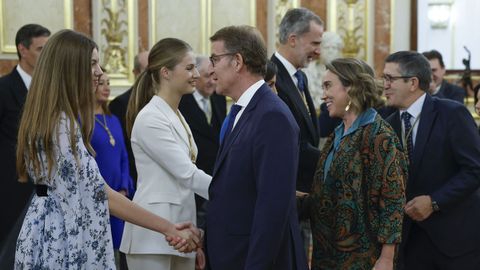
(104,125)
(193,157)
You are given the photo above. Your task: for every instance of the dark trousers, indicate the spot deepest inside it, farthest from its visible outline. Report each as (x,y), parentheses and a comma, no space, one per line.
(421,254)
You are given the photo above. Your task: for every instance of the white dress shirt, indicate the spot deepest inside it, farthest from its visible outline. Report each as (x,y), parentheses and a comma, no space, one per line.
(414,110)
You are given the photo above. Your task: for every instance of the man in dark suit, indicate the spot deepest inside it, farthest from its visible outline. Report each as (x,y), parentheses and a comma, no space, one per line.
(204,112)
(252,218)
(300,37)
(118,106)
(443,197)
(442,88)
(14,196)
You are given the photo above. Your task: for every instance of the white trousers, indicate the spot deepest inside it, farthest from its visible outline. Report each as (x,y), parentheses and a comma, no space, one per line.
(159,262)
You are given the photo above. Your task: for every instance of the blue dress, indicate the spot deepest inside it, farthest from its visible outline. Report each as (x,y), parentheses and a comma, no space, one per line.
(113,164)
(68,228)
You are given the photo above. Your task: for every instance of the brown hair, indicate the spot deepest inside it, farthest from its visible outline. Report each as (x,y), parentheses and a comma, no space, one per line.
(61,83)
(365,92)
(248,42)
(168,52)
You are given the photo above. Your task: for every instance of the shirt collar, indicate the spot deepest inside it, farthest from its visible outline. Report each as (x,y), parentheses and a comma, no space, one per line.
(416,108)
(198,97)
(365,118)
(26,78)
(290,68)
(248,94)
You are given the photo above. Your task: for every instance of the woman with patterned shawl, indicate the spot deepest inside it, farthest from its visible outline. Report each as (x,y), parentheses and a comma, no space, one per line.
(358,193)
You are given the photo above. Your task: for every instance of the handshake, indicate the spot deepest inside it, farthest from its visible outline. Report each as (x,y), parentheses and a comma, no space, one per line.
(185,237)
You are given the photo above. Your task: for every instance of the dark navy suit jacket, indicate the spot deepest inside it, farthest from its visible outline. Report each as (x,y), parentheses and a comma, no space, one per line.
(451,91)
(306,117)
(446,166)
(14,196)
(252,217)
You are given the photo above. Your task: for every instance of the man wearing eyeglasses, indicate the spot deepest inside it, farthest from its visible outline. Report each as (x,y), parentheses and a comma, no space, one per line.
(252,216)
(300,35)
(443,198)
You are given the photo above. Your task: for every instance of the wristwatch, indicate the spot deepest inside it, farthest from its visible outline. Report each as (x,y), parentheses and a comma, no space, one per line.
(435,206)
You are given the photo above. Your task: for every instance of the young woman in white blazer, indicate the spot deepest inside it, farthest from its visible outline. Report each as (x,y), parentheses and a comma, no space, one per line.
(165,155)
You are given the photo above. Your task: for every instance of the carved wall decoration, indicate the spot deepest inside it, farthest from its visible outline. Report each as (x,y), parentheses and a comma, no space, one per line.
(115,33)
(349,18)
(276,10)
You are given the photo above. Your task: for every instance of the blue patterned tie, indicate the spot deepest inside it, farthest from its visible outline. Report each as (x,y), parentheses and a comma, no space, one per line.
(408,133)
(301,80)
(228,122)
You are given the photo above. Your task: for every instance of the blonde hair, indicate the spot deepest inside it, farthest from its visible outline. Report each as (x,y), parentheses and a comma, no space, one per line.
(168,52)
(365,92)
(61,83)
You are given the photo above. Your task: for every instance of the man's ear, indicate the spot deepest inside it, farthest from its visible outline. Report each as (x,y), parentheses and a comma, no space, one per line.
(239,62)
(415,84)
(21,49)
(292,40)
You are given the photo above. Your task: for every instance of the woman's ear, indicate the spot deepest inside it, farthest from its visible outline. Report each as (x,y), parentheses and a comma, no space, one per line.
(165,73)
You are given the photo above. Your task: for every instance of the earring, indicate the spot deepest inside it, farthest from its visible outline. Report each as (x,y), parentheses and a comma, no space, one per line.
(348,106)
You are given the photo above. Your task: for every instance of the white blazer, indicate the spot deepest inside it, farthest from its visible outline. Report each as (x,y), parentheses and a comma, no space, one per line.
(167,178)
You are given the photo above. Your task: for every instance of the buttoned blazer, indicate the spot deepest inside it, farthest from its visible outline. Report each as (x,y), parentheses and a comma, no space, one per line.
(446,166)
(13,93)
(306,118)
(167,178)
(252,219)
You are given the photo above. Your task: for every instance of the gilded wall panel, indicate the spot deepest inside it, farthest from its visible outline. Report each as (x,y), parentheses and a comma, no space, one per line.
(232,12)
(115,31)
(16,13)
(183,19)
(351,19)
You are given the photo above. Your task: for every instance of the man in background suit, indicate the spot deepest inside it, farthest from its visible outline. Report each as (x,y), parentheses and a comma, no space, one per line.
(300,37)
(14,196)
(204,111)
(442,88)
(252,219)
(443,197)
(118,106)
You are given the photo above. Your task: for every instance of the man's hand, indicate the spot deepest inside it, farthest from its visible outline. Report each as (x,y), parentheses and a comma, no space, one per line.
(186,238)
(419,208)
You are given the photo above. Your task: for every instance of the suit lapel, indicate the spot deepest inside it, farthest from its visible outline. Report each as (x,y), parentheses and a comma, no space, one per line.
(291,91)
(244,119)
(167,111)
(20,93)
(427,118)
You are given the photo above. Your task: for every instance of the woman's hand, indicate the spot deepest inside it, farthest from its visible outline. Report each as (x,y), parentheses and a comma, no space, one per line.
(184,237)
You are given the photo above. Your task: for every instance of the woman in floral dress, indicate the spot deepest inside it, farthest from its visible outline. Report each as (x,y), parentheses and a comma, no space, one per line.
(67,225)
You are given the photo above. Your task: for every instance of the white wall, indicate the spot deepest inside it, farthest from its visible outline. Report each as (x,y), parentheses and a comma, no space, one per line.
(462,31)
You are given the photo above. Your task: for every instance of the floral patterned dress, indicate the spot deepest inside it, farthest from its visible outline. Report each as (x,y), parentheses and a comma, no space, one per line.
(69,228)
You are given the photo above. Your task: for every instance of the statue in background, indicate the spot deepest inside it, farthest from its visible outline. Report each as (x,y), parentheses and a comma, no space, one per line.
(331,48)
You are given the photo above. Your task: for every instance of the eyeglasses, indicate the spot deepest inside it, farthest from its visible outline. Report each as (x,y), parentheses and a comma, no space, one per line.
(391,79)
(214,59)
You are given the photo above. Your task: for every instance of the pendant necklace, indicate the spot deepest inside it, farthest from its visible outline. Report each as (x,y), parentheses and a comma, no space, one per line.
(104,125)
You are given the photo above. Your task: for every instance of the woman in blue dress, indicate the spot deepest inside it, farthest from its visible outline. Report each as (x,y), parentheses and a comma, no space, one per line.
(67,224)
(112,158)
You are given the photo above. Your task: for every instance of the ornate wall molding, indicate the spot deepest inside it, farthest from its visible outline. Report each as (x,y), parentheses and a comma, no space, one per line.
(350,19)
(114,30)
(11,19)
